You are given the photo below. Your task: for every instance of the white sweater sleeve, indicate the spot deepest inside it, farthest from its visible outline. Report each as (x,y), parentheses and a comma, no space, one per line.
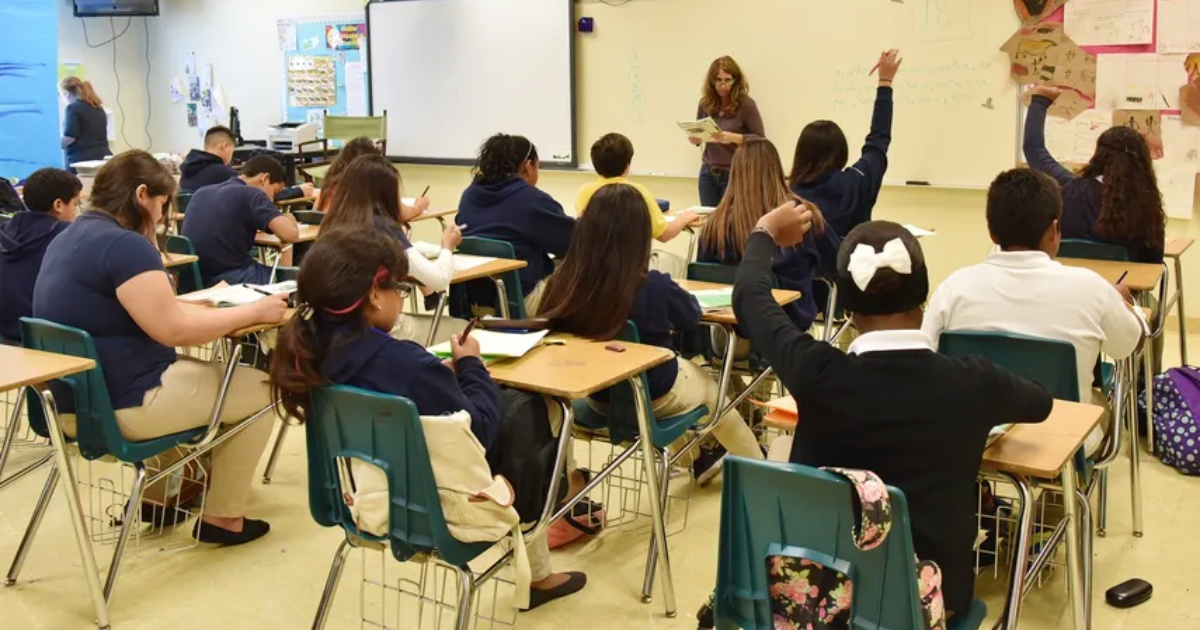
(435,274)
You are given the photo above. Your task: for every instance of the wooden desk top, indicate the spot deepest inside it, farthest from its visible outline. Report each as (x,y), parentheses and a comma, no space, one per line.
(577,368)
(1177,245)
(241,332)
(1142,276)
(434,214)
(178,260)
(493,267)
(20,367)
(298,201)
(726,317)
(1041,450)
(308,233)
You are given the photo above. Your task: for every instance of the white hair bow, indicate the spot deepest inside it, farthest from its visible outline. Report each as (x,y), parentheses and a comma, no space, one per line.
(865,261)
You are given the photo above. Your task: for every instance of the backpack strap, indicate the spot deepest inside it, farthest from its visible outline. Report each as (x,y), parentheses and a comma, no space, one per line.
(873,504)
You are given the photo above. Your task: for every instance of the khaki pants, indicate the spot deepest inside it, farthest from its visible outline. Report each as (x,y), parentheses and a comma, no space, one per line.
(532,302)
(416,328)
(695,387)
(184,401)
(1091,444)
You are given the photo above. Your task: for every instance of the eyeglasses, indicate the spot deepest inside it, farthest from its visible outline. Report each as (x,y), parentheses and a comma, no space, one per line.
(403,289)
(729,81)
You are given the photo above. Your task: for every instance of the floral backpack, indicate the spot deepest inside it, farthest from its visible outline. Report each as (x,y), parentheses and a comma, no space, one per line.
(1177,418)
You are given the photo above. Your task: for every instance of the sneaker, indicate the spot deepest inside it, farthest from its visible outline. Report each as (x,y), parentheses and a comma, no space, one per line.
(708,464)
(705,617)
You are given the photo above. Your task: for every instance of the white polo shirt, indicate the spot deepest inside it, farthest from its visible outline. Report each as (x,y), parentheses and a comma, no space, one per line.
(1028,293)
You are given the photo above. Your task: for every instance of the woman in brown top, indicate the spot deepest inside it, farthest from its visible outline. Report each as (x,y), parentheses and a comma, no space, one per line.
(726,99)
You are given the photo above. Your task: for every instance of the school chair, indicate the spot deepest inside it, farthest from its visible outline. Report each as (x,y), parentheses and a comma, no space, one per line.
(304,217)
(507,283)
(1094,250)
(832,327)
(771,508)
(282,274)
(621,423)
(385,431)
(189,274)
(340,129)
(98,436)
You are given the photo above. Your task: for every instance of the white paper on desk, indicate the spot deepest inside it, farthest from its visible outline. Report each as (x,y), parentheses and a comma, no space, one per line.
(918,232)
(702,210)
(703,129)
(1110,22)
(238,294)
(356,88)
(1139,81)
(463,262)
(1074,141)
(1178,26)
(497,345)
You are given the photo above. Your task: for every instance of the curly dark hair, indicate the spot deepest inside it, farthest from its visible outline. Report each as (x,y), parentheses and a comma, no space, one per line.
(501,158)
(1131,206)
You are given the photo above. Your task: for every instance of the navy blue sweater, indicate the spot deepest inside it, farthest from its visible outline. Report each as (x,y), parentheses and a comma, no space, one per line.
(847,197)
(520,214)
(201,168)
(375,361)
(23,243)
(795,267)
(662,307)
(1081,196)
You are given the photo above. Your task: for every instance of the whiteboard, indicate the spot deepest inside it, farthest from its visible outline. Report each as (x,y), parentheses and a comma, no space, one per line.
(955,123)
(451,73)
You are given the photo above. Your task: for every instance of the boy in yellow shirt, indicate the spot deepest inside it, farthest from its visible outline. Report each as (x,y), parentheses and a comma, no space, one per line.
(611,156)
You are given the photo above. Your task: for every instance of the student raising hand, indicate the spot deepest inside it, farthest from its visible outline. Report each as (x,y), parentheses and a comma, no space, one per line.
(788,223)
(889,64)
(1048,91)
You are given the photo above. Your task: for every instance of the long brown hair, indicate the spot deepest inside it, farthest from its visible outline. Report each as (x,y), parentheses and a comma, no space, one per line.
(82,90)
(594,289)
(114,191)
(756,186)
(352,150)
(370,187)
(1131,206)
(338,274)
(820,149)
(710,101)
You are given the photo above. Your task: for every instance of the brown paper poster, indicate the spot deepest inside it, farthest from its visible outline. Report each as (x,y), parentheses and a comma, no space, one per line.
(1147,122)
(1068,105)
(1033,11)
(1189,93)
(1043,54)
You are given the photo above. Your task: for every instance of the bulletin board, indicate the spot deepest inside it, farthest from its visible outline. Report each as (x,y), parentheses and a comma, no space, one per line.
(324,67)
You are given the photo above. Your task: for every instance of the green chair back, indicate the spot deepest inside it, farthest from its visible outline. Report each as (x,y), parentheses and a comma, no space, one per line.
(1049,362)
(182,200)
(385,431)
(97,431)
(351,127)
(770,508)
(460,300)
(1079,248)
(189,274)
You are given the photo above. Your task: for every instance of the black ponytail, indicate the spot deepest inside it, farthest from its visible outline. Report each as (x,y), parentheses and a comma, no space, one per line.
(501,158)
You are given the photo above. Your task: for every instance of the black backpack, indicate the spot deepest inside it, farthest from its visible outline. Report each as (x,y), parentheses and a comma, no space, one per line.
(525,451)
(10,201)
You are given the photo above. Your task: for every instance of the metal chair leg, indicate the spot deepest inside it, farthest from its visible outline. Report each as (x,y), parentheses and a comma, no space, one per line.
(1135,477)
(35,522)
(276,450)
(1024,530)
(1182,316)
(1102,502)
(659,529)
(652,552)
(331,584)
(466,594)
(1085,552)
(127,525)
(10,435)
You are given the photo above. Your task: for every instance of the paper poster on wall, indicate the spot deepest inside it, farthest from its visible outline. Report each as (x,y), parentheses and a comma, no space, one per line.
(71,68)
(1067,106)
(1177,170)
(356,89)
(177,90)
(1044,54)
(193,115)
(1189,93)
(316,117)
(312,81)
(1033,11)
(1178,26)
(1147,122)
(1074,141)
(1139,81)
(344,36)
(310,43)
(1110,22)
(206,83)
(287,35)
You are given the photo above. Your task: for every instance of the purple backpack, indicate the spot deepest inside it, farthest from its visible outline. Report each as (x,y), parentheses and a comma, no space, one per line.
(1177,418)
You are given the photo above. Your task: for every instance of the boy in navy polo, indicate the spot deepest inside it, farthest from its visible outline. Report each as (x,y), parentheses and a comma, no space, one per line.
(223,219)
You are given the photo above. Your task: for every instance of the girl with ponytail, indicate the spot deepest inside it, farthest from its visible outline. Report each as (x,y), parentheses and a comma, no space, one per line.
(504,203)
(85,126)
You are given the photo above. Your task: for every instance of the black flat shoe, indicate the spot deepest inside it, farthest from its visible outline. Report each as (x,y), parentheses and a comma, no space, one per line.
(211,534)
(575,583)
(158,516)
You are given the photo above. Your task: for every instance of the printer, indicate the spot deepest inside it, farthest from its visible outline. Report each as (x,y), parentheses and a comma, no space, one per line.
(287,136)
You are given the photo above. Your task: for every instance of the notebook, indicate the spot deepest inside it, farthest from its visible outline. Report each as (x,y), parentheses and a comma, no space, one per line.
(238,294)
(463,262)
(702,210)
(714,299)
(497,345)
(997,432)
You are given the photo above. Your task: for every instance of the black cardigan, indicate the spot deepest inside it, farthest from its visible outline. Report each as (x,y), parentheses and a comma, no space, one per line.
(916,418)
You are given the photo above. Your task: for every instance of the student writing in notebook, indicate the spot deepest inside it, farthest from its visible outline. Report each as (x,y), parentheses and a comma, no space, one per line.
(605,281)
(350,290)
(210,165)
(612,156)
(892,405)
(370,196)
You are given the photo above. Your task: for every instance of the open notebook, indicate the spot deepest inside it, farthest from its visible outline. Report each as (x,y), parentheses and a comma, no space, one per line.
(238,294)
(497,345)
(714,299)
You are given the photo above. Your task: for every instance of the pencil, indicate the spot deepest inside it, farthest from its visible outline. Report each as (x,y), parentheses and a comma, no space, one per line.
(873,70)
(1122,277)
(425,192)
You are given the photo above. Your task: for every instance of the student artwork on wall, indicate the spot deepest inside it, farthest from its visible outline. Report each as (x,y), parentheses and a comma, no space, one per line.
(1147,122)
(29,101)
(1034,11)
(1044,55)
(1189,93)
(318,72)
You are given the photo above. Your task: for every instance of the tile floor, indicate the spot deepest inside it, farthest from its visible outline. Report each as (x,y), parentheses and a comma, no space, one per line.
(276,582)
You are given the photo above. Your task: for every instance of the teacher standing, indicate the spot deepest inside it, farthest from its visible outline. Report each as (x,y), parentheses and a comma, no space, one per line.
(726,99)
(85,125)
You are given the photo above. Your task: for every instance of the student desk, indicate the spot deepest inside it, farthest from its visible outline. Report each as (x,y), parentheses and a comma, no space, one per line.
(492,270)
(438,215)
(1044,452)
(291,204)
(308,234)
(178,260)
(572,371)
(21,368)
(1174,249)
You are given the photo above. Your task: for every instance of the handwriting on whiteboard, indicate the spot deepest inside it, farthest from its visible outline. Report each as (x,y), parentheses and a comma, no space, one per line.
(942,20)
(637,92)
(948,83)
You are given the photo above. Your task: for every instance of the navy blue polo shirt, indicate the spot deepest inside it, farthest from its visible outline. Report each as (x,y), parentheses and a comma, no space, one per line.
(221,222)
(77,287)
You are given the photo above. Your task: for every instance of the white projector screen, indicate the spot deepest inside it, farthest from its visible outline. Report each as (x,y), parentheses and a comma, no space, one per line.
(451,73)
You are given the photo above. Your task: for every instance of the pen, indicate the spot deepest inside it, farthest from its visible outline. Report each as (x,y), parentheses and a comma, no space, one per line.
(467,331)
(258,290)
(1122,277)
(425,192)
(873,70)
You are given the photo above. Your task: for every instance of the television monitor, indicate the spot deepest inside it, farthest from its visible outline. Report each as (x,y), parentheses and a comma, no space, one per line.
(106,8)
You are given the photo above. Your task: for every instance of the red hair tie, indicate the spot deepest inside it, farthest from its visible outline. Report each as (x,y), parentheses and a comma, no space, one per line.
(380,275)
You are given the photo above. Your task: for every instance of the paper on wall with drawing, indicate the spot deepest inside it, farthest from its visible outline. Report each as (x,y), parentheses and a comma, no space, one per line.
(1043,54)
(1178,169)
(1139,81)
(1189,93)
(1073,141)
(1067,106)
(1110,22)
(1033,11)
(1178,26)
(1147,122)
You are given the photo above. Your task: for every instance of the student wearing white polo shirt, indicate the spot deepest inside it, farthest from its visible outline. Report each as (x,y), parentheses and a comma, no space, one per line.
(1021,289)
